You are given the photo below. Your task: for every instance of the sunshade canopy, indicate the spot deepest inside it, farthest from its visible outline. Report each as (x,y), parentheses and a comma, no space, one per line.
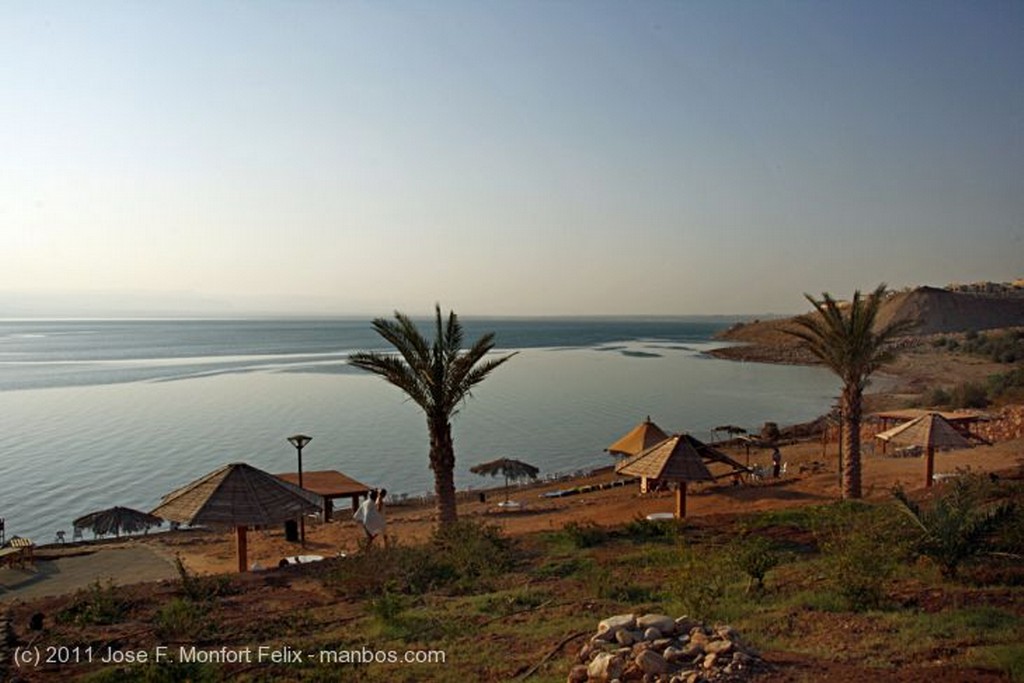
(117,519)
(678,458)
(928,431)
(237,495)
(511,469)
(640,438)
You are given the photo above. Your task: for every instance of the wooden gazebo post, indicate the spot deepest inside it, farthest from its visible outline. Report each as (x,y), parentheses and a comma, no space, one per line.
(243,549)
(681,500)
(929,466)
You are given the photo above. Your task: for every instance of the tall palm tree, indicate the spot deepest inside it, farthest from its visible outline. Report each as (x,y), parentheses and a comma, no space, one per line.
(846,341)
(438,377)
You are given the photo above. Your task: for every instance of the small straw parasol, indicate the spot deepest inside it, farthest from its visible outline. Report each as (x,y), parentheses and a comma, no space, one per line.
(117,519)
(930,432)
(640,438)
(512,469)
(239,496)
(678,458)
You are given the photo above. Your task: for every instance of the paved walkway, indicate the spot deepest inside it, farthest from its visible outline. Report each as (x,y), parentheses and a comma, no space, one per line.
(67,574)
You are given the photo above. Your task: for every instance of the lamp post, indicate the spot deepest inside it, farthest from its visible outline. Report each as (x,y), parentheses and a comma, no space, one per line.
(300,441)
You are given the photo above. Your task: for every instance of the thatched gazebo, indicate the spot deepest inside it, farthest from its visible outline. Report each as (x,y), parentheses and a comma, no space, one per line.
(679,458)
(638,439)
(511,469)
(930,432)
(117,519)
(237,496)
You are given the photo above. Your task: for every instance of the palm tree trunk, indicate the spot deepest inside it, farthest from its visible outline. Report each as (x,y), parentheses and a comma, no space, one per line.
(442,461)
(852,408)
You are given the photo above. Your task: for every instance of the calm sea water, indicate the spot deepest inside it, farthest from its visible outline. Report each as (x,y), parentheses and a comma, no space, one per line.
(102,413)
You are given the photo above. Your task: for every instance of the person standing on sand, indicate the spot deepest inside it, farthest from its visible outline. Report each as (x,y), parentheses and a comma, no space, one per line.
(370,516)
(776,462)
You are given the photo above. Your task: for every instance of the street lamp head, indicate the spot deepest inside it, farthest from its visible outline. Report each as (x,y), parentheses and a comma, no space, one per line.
(299,440)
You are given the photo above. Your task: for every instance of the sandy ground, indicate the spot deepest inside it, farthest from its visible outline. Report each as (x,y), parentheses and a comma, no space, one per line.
(811,478)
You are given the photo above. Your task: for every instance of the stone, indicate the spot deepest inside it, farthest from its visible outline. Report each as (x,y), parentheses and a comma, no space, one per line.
(698,636)
(604,667)
(624,637)
(685,624)
(662,622)
(709,661)
(692,649)
(726,632)
(672,654)
(616,623)
(652,634)
(660,644)
(584,654)
(652,663)
(718,647)
(740,657)
(578,674)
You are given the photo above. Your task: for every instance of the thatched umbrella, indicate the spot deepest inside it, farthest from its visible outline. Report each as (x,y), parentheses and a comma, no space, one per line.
(512,469)
(238,496)
(640,438)
(679,458)
(117,519)
(930,431)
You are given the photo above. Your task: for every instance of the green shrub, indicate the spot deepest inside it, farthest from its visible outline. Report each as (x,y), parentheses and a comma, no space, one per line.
(585,534)
(702,580)
(97,604)
(862,545)
(938,398)
(459,557)
(957,525)
(968,395)
(183,619)
(1006,658)
(643,529)
(202,588)
(1007,384)
(755,556)
(388,607)
(859,570)
(162,672)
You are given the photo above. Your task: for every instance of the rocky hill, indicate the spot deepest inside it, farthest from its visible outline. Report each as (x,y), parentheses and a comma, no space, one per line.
(937,311)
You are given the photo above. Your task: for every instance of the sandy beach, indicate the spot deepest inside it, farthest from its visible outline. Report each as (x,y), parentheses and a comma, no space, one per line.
(811,478)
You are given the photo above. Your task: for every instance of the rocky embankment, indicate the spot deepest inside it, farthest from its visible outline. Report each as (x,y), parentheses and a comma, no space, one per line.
(656,648)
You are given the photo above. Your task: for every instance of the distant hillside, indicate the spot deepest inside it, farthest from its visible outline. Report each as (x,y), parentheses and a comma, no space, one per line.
(936,310)
(940,310)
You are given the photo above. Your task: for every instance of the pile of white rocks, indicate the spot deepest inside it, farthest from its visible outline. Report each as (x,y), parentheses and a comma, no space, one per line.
(655,648)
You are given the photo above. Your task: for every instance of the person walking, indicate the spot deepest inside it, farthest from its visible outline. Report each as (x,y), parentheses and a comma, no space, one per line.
(776,462)
(370,516)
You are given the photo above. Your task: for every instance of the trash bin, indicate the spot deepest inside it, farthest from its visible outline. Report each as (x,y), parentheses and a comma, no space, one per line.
(291,531)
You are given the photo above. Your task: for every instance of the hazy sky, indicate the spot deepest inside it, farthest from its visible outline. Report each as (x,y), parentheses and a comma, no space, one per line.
(572,157)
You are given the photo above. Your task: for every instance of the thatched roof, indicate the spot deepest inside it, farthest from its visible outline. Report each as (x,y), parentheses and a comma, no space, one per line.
(928,431)
(237,495)
(640,438)
(512,469)
(117,519)
(677,458)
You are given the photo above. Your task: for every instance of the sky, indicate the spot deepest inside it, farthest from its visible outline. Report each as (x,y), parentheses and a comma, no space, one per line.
(568,157)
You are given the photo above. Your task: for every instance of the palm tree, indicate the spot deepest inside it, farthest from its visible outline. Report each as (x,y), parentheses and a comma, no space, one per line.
(845,339)
(438,377)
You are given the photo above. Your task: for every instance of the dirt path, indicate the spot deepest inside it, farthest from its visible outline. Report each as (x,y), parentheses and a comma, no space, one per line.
(123,565)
